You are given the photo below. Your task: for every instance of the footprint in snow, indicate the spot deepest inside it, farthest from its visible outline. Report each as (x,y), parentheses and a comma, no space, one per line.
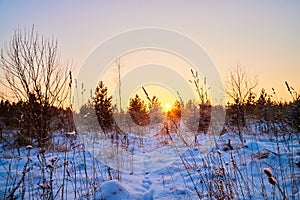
(146,183)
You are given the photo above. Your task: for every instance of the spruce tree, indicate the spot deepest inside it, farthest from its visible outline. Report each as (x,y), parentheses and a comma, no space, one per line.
(103,107)
(138,111)
(155,110)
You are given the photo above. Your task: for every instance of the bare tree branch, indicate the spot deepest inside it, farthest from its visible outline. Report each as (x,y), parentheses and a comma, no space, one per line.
(239,85)
(31,65)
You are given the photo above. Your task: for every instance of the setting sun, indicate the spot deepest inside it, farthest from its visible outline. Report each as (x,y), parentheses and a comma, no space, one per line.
(167,107)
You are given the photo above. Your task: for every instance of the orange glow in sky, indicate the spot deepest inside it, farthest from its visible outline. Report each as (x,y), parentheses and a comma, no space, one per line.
(261,36)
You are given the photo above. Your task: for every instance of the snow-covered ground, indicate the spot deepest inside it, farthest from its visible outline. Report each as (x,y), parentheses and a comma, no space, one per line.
(155,171)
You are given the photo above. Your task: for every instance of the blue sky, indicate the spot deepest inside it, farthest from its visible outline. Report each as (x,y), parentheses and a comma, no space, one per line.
(262,36)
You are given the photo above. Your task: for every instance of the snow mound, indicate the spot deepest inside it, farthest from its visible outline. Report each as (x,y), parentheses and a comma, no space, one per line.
(114,190)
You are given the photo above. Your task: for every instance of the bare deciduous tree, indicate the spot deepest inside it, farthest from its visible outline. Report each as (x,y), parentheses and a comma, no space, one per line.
(239,86)
(33,73)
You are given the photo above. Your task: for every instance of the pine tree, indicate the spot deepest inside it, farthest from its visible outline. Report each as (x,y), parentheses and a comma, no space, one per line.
(264,111)
(175,113)
(103,107)
(138,111)
(155,110)
(293,115)
(191,115)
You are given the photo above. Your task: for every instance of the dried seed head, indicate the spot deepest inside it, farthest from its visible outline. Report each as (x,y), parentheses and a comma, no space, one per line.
(50,166)
(272,180)
(268,172)
(219,152)
(53,159)
(233,163)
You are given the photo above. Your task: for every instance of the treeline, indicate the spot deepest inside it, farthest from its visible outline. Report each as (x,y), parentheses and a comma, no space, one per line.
(268,114)
(32,123)
(28,120)
(258,110)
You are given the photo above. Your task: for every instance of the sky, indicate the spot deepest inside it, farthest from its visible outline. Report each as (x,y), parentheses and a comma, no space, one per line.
(261,36)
